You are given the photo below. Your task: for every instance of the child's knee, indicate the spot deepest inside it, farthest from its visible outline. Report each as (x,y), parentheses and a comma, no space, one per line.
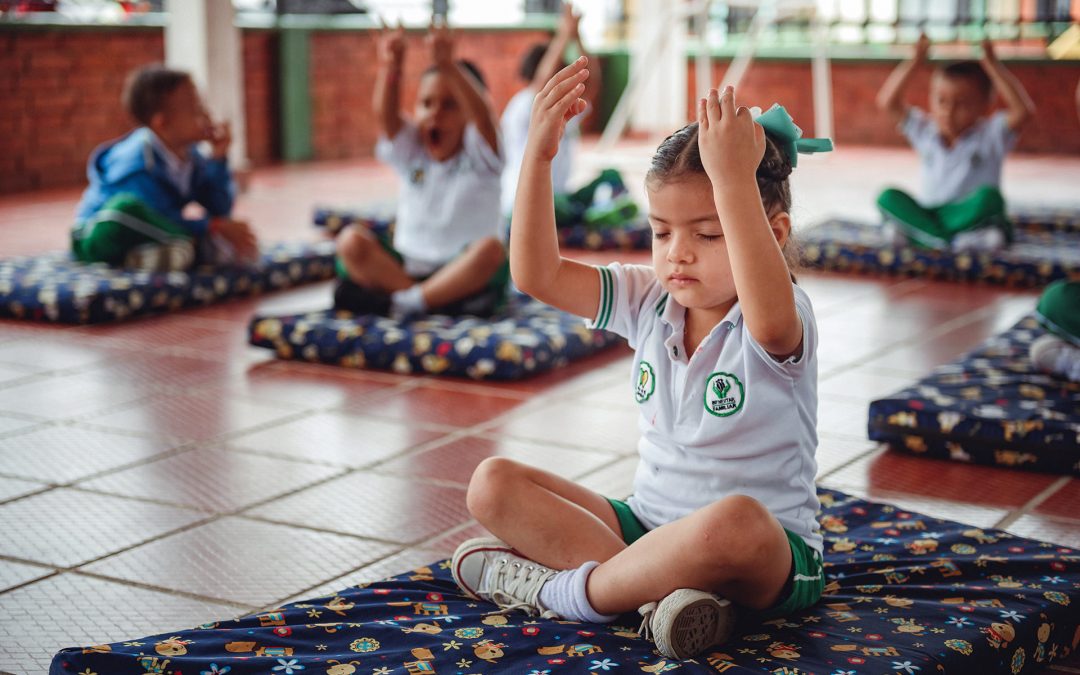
(739,528)
(354,243)
(491,251)
(491,479)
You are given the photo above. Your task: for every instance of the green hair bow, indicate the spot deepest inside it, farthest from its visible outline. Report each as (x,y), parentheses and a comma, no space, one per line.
(788,135)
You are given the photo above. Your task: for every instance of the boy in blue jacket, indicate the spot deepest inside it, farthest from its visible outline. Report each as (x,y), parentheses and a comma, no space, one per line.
(132,213)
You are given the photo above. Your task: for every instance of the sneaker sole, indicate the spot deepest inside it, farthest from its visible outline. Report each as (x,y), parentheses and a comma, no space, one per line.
(466,548)
(700,625)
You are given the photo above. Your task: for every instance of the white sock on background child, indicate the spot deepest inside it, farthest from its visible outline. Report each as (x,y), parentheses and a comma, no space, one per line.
(408,301)
(565,595)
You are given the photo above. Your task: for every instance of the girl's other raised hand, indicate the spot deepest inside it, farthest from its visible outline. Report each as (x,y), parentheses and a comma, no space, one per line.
(557,102)
(731,143)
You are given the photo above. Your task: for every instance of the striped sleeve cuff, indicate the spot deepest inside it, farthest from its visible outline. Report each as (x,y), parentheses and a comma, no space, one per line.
(607,299)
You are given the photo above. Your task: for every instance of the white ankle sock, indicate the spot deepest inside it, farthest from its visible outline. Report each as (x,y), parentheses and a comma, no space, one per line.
(1067,363)
(565,595)
(408,301)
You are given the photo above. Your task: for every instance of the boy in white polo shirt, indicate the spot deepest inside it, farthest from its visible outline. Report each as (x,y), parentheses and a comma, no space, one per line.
(725,374)
(961,149)
(446,253)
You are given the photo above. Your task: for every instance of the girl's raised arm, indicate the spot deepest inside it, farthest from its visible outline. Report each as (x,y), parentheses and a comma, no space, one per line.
(535,262)
(732,145)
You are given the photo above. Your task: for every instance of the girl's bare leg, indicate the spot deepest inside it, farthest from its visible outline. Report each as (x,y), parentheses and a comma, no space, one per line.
(546,518)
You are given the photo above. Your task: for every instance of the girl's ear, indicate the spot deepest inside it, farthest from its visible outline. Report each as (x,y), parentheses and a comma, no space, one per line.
(780,224)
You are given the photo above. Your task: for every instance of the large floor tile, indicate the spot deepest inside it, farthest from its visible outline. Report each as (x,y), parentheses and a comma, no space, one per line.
(61,454)
(571,423)
(895,472)
(862,384)
(14,574)
(399,563)
(337,438)
(1063,531)
(149,333)
(1065,501)
(72,396)
(193,416)
(438,405)
(68,527)
(836,451)
(455,460)
(212,479)
(305,386)
(971,514)
(9,424)
(380,507)
(71,610)
(56,353)
(239,560)
(13,488)
(841,416)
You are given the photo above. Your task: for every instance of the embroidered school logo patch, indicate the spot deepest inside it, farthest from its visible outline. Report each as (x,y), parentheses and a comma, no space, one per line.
(724,394)
(646,382)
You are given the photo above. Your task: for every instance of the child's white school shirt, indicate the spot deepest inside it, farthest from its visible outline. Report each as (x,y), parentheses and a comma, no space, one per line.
(443,206)
(974,160)
(731,420)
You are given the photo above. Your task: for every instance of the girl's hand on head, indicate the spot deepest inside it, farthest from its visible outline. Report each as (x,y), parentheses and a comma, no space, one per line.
(554,106)
(731,143)
(441,42)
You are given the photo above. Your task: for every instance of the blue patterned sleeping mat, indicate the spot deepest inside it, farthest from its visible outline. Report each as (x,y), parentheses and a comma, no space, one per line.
(906,594)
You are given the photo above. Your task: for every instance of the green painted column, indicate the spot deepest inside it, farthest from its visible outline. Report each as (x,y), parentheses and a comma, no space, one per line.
(295,95)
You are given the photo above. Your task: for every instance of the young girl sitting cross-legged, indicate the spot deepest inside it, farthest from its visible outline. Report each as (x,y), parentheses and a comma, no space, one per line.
(725,375)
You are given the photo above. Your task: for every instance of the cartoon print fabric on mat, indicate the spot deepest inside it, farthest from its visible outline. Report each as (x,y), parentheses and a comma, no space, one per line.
(1036,258)
(906,594)
(988,407)
(54,288)
(525,339)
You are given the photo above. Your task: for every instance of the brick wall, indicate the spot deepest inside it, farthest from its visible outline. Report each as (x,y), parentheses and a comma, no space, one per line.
(343,68)
(60,89)
(856,119)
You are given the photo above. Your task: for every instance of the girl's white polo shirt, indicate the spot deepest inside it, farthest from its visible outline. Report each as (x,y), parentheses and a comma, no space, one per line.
(730,420)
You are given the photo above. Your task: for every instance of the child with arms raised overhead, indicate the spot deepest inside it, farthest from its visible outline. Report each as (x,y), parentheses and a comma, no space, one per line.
(725,374)
(446,254)
(961,147)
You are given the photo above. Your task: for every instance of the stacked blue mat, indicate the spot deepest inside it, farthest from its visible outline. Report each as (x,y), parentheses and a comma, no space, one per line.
(1042,253)
(634,236)
(988,407)
(906,594)
(55,288)
(527,338)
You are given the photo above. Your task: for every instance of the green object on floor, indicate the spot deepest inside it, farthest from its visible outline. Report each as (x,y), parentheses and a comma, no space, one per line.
(1059,310)
(123,223)
(935,227)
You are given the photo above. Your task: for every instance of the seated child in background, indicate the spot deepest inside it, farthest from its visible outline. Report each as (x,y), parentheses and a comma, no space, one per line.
(961,147)
(131,214)
(725,375)
(603,201)
(1058,352)
(446,253)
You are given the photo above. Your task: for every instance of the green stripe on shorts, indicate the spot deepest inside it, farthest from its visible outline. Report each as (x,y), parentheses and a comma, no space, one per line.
(807,579)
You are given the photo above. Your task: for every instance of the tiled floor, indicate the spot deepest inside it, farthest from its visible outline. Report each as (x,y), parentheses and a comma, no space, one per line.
(160,474)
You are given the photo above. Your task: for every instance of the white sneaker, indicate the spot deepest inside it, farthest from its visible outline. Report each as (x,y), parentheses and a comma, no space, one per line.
(488,569)
(687,622)
(145,257)
(1051,354)
(179,255)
